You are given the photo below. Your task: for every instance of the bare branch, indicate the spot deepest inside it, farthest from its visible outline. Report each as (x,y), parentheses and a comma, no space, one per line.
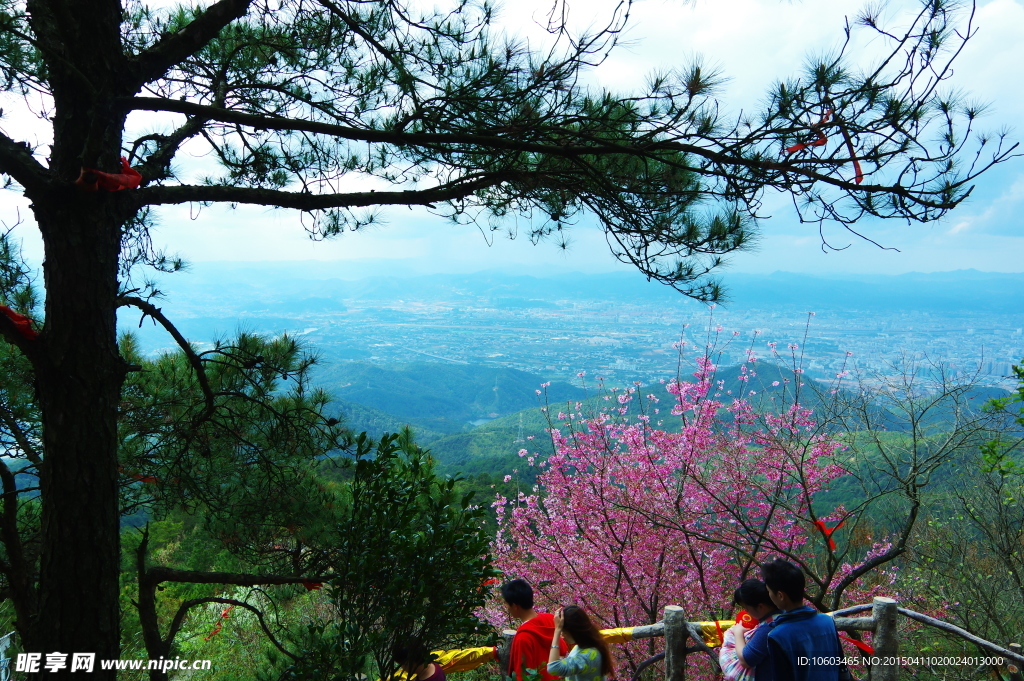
(310,202)
(962,633)
(179,618)
(20,437)
(20,573)
(159,574)
(16,160)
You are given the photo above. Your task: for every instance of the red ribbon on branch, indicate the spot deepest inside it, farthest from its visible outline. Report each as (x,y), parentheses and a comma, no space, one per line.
(860,644)
(828,532)
(822,138)
(93,180)
(141,477)
(22,323)
(220,623)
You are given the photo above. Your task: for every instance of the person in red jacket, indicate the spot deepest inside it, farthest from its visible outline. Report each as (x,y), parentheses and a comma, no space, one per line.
(533,639)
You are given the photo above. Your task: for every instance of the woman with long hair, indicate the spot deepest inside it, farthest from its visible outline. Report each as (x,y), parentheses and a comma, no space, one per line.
(590,659)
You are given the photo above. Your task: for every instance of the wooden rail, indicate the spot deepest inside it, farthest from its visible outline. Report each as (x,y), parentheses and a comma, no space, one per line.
(683,637)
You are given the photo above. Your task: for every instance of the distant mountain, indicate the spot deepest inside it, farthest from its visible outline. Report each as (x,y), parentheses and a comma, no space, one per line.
(445,398)
(936,292)
(269,288)
(450,394)
(375,422)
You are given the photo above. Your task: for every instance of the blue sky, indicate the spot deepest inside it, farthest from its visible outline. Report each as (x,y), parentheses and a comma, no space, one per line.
(752,42)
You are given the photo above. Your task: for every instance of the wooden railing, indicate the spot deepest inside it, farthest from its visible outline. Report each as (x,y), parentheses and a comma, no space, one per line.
(683,638)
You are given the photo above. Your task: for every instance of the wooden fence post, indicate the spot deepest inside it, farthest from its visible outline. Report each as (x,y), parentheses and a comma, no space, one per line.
(505,649)
(885,639)
(676,633)
(1014,670)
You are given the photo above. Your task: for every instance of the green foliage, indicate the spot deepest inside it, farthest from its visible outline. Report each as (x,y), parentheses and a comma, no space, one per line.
(967,559)
(242,446)
(409,556)
(442,398)
(999,454)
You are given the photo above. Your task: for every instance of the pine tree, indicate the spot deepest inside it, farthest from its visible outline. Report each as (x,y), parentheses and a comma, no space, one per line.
(298,99)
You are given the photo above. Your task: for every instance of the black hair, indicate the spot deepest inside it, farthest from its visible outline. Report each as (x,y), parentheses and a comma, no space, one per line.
(410,653)
(577,624)
(781,575)
(518,592)
(752,592)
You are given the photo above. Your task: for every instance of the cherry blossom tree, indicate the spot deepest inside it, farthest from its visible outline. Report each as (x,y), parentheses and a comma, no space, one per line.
(630,516)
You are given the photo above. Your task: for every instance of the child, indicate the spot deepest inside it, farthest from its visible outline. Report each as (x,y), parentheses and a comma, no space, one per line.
(413,658)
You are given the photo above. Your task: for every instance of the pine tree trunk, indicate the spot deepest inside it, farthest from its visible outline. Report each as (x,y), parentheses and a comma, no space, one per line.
(79,380)
(79,371)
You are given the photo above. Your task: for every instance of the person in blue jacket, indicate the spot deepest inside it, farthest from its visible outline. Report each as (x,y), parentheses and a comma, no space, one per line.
(803,643)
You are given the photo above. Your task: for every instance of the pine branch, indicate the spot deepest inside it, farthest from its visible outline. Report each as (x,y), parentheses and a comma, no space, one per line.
(722,164)
(306,201)
(16,160)
(154,62)
(157,574)
(193,359)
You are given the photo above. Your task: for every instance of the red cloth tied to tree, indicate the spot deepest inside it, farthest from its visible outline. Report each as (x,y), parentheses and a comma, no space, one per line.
(220,623)
(858,174)
(22,323)
(92,180)
(822,138)
(828,532)
(860,644)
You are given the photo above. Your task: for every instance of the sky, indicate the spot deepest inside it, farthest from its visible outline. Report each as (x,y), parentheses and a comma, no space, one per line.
(752,43)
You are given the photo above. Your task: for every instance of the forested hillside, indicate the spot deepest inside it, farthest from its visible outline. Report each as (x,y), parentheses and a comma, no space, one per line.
(441,397)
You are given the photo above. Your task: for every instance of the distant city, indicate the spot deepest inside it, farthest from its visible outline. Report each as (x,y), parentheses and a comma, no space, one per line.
(630,342)
(617,326)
